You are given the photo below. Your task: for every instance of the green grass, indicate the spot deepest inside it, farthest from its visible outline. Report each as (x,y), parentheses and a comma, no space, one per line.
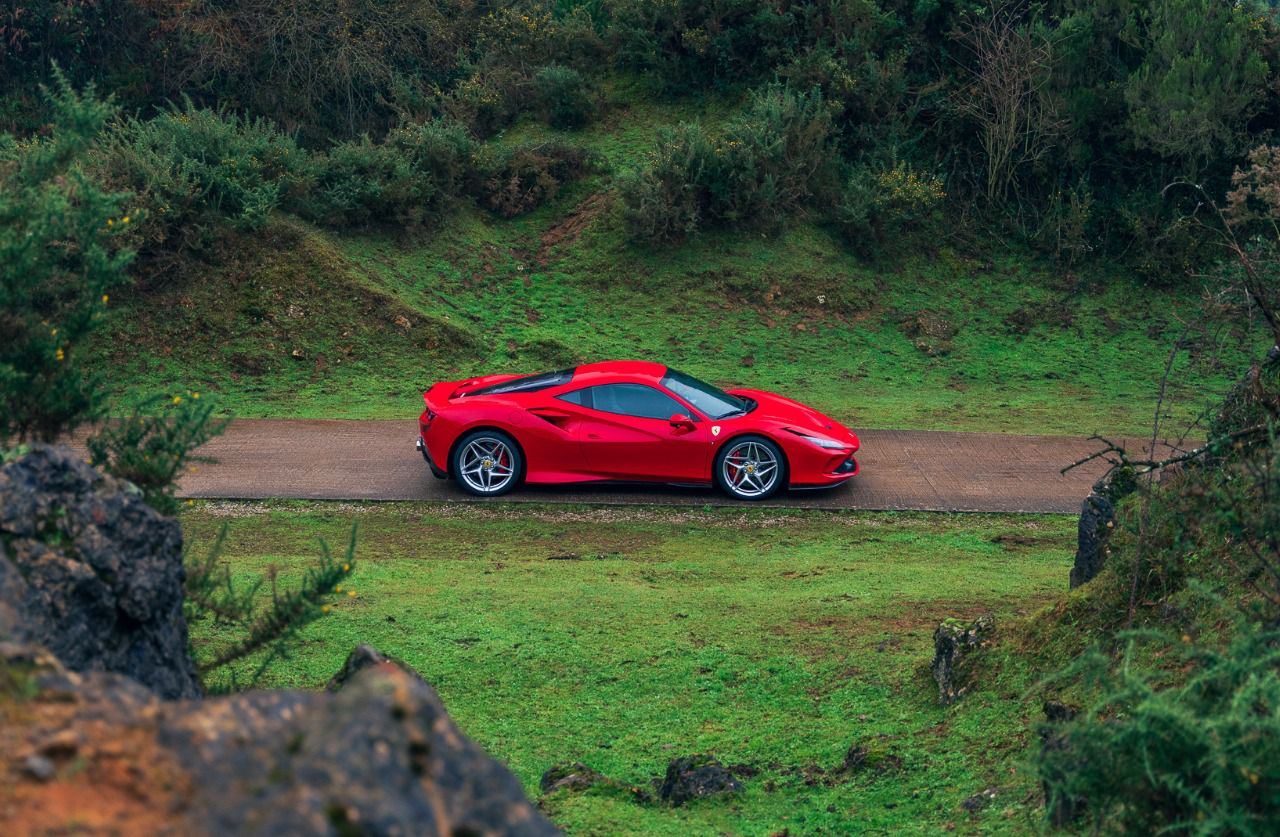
(772,639)
(295,322)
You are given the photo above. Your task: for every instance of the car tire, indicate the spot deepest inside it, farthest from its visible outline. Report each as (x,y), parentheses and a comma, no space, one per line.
(486,463)
(739,465)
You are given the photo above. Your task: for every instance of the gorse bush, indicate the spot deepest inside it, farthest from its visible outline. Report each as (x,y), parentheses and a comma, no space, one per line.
(194,168)
(778,156)
(407,180)
(57,268)
(665,200)
(566,96)
(257,629)
(153,446)
(880,205)
(774,159)
(1199,756)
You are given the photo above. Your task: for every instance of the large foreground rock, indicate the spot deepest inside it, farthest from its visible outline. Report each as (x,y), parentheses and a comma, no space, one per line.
(380,756)
(92,573)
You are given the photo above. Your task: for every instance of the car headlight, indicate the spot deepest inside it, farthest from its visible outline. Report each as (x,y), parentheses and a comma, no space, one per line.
(829,444)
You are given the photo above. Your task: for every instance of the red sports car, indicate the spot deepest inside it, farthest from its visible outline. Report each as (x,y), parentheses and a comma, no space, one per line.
(632,421)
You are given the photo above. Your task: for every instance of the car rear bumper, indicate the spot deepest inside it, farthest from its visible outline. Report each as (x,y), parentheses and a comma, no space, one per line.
(438,473)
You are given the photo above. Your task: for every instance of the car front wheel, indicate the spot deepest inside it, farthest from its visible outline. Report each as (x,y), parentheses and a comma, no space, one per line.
(750,468)
(486,463)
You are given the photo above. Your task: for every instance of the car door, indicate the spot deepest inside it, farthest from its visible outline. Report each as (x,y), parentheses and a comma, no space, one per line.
(626,433)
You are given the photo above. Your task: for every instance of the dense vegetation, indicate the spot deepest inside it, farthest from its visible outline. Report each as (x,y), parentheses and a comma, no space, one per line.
(1061,123)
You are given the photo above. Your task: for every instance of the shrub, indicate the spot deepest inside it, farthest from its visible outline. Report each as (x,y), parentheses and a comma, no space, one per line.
(772,161)
(665,199)
(565,97)
(778,155)
(1202,757)
(883,203)
(262,631)
(152,447)
(57,266)
(408,180)
(519,179)
(195,168)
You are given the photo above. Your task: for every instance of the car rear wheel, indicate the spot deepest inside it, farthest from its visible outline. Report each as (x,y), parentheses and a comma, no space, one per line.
(750,468)
(486,463)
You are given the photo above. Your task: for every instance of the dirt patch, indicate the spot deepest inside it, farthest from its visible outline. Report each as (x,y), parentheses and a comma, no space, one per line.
(109,780)
(570,228)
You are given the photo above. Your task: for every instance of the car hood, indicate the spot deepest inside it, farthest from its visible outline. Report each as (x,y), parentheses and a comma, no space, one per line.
(773,407)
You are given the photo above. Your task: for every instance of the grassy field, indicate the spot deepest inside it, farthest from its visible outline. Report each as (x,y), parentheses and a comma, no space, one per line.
(773,640)
(292,321)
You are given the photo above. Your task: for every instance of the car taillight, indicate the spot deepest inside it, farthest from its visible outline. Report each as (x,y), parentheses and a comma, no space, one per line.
(430,414)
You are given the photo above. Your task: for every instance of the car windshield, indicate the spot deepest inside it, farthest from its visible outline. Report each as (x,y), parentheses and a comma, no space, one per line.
(711,401)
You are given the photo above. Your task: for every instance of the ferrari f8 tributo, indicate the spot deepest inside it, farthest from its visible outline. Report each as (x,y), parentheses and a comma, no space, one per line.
(630,421)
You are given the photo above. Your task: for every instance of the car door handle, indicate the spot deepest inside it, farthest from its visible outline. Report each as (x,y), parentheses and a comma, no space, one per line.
(593,435)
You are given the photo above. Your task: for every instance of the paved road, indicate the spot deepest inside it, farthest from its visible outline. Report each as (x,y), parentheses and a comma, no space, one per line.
(902,470)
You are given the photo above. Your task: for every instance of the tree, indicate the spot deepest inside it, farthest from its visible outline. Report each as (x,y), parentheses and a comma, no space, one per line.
(1201,80)
(56,268)
(1006,94)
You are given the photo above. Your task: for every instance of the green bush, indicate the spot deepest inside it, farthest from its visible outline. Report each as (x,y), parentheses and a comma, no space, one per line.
(882,205)
(515,180)
(773,160)
(1198,757)
(152,447)
(565,96)
(407,180)
(57,267)
(666,199)
(778,156)
(193,169)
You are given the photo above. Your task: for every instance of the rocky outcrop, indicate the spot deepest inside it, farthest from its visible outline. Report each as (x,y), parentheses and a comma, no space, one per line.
(952,642)
(378,756)
(92,573)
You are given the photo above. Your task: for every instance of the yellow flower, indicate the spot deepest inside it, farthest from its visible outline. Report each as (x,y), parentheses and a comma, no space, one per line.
(53,332)
(59,355)
(324,608)
(338,589)
(124,220)
(177,399)
(105,299)
(110,223)
(191,502)
(195,396)
(346,568)
(351,594)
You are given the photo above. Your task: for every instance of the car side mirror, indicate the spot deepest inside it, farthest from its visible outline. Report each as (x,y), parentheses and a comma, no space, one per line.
(681,421)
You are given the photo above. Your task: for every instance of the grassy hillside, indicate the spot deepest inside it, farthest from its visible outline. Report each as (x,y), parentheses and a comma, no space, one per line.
(293,321)
(661,634)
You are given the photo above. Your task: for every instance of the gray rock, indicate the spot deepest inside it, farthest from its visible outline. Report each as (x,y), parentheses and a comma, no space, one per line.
(1097,519)
(92,573)
(696,777)
(952,642)
(38,767)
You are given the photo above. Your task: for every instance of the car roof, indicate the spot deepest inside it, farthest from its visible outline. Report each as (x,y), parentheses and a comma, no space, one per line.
(609,371)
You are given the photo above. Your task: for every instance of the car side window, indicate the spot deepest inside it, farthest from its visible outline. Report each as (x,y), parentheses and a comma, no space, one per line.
(635,400)
(581,397)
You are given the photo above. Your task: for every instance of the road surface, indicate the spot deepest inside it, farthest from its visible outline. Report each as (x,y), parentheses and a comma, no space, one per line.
(902,470)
